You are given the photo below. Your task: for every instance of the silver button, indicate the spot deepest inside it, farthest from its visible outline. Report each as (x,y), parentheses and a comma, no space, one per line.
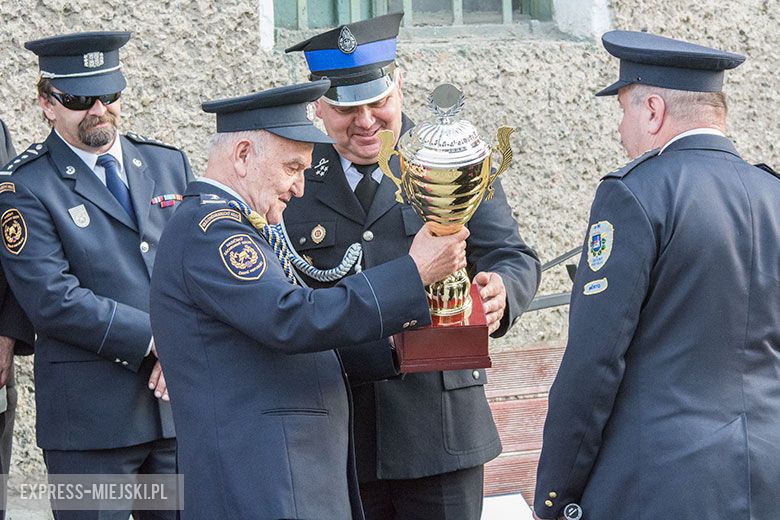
(144,247)
(475,374)
(302,240)
(406,325)
(124,363)
(117,360)
(368,236)
(413,323)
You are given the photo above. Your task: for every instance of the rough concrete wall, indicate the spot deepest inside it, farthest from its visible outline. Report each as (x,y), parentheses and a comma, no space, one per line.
(183,52)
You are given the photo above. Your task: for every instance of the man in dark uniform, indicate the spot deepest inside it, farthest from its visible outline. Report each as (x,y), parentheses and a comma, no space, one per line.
(421,440)
(81,215)
(258,393)
(16,337)
(667,398)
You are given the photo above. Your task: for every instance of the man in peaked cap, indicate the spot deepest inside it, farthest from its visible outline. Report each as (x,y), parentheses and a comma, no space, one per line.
(82,213)
(421,440)
(666,401)
(261,405)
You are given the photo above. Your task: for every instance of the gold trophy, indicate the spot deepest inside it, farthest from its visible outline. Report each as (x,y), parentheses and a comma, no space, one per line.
(445,174)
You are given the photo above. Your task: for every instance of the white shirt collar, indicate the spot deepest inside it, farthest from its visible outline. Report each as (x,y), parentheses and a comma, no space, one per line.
(353,176)
(221,186)
(90,159)
(694,131)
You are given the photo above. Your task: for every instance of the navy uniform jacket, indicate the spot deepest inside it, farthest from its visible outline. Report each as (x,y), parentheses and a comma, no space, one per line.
(259,396)
(81,269)
(13,322)
(667,401)
(425,423)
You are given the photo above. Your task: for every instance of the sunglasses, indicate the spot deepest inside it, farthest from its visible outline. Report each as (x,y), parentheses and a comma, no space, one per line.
(72,102)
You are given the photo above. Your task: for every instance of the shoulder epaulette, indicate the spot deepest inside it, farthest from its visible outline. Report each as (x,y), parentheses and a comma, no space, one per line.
(622,171)
(142,139)
(33,152)
(767,168)
(210,198)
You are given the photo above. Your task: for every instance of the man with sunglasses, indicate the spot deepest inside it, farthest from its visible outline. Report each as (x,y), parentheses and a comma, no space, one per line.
(82,213)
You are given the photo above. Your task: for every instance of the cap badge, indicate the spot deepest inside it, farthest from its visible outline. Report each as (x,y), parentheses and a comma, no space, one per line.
(93,60)
(347,41)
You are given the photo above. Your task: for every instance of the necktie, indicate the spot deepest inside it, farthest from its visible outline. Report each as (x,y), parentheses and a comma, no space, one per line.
(366,188)
(271,234)
(114,183)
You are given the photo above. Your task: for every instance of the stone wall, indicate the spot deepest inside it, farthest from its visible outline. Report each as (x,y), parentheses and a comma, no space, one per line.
(184,52)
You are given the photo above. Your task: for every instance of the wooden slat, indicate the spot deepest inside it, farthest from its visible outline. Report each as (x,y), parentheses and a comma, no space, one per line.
(408,14)
(511,474)
(520,423)
(457,12)
(303,14)
(354,10)
(506,10)
(523,372)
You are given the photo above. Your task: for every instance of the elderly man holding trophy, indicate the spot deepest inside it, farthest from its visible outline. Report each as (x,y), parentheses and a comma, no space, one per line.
(421,439)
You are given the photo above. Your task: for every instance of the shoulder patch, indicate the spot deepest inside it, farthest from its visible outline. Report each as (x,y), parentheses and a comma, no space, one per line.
(219,214)
(14,230)
(621,172)
(33,152)
(142,139)
(7,187)
(600,242)
(242,257)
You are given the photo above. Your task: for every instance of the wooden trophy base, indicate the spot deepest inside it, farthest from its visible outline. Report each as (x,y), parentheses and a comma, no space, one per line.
(446,347)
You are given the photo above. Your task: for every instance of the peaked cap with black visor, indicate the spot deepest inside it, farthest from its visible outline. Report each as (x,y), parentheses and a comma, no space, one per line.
(357,58)
(82,64)
(648,59)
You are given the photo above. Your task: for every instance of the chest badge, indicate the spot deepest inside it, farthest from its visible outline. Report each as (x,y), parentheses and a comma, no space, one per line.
(600,242)
(79,215)
(318,233)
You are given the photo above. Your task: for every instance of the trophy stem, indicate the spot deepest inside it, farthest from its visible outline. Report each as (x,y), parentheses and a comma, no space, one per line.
(450,299)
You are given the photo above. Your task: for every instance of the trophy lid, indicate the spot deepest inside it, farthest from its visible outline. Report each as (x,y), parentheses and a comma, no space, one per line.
(444,141)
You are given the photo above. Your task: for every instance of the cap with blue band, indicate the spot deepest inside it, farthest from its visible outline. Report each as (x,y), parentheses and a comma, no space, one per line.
(358,59)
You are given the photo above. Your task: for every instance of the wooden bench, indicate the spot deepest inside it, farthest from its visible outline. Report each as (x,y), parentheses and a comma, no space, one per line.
(517,390)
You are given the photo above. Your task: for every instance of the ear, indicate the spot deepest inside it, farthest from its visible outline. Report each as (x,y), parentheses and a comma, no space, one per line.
(400,83)
(242,154)
(656,113)
(318,108)
(48,109)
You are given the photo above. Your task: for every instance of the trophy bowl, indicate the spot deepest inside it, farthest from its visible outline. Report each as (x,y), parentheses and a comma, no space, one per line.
(445,174)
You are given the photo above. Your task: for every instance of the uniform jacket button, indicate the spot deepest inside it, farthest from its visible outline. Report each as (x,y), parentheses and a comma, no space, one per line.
(124,363)
(144,247)
(475,374)
(406,325)
(368,236)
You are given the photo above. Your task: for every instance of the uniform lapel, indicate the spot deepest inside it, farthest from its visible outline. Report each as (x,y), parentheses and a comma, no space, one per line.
(332,187)
(70,166)
(384,200)
(140,182)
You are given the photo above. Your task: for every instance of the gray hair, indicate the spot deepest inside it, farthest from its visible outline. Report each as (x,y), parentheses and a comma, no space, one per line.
(220,141)
(682,105)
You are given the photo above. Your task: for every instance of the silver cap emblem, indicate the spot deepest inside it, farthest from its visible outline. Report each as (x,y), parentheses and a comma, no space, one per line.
(347,41)
(93,60)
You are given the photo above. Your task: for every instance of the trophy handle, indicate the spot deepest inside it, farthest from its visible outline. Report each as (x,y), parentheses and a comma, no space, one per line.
(505,149)
(386,151)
